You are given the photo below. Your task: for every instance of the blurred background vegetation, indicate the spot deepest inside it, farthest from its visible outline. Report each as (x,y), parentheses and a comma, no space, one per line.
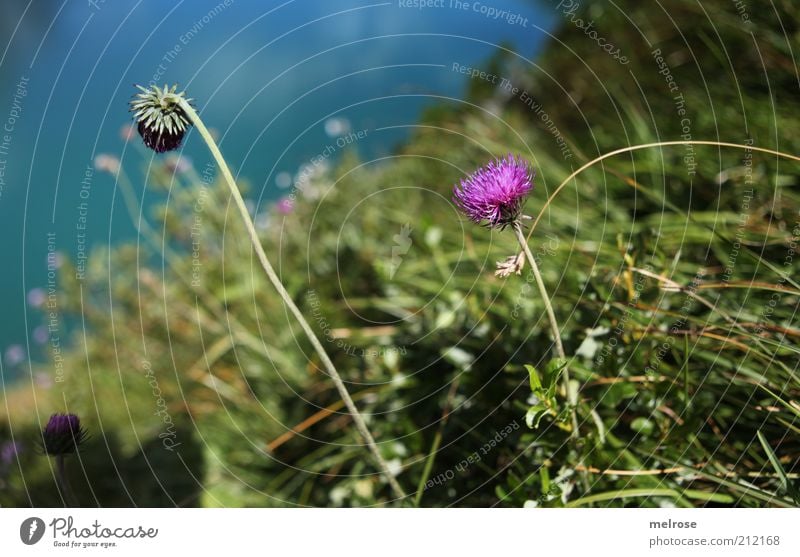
(670,270)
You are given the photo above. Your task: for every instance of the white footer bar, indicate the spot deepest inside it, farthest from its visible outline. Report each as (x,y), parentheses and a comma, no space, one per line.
(401,532)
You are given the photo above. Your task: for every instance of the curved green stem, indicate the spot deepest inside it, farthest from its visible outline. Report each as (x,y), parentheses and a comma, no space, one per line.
(551,317)
(287,299)
(648,146)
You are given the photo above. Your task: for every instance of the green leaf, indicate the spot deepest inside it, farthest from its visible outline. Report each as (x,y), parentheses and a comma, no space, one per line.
(671,493)
(788,488)
(536,383)
(544,475)
(458,357)
(445,319)
(553,369)
(616,393)
(500,492)
(643,425)
(534,415)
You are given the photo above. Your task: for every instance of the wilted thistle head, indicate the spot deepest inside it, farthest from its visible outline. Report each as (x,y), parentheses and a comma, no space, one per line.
(62,434)
(160,119)
(495,193)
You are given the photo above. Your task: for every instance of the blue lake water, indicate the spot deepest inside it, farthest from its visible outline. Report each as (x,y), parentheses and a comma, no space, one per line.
(280,81)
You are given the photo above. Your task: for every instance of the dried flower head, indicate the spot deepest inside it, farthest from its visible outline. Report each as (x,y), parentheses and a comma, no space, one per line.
(495,193)
(512,264)
(62,434)
(160,119)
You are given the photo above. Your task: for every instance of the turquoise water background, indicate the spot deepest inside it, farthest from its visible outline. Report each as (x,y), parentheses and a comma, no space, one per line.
(280,81)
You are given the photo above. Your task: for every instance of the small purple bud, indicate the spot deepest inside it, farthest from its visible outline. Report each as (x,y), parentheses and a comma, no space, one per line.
(40,334)
(285,206)
(62,434)
(36,297)
(15,354)
(8,452)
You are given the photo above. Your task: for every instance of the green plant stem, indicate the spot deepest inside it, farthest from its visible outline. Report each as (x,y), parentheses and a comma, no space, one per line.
(437,441)
(426,472)
(276,282)
(551,317)
(63,482)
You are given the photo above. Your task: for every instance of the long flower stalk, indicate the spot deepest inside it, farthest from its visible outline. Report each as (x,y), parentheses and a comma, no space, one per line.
(358,419)
(551,317)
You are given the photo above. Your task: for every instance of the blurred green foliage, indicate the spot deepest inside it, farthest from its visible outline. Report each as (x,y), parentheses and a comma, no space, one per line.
(687,392)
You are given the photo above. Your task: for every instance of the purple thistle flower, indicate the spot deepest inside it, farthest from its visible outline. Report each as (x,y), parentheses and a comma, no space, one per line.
(496,192)
(8,452)
(40,334)
(15,355)
(62,434)
(36,297)
(285,206)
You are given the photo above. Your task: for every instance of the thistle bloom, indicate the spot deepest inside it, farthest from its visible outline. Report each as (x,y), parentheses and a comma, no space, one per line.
(285,206)
(62,434)
(15,354)
(160,119)
(41,334)
(496,192)
(36,297)
(8,452)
